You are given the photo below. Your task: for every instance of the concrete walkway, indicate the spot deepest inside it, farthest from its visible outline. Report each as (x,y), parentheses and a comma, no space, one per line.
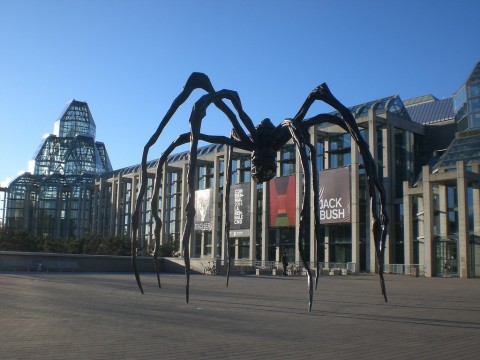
(104,316)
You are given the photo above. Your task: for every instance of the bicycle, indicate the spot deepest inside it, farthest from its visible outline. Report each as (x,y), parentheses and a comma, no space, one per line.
(296,269)
(210,269)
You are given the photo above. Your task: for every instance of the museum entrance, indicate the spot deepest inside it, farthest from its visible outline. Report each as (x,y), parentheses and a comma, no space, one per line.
(240,247)
(282,240)
(446,260)
(340,244)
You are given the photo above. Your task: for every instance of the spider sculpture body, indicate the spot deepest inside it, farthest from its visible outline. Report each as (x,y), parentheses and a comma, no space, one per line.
(263,142)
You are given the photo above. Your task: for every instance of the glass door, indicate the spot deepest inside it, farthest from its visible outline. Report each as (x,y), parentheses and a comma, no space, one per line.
(446,257)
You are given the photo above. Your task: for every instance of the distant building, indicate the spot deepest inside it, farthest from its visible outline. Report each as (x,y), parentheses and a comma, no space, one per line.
(55,198)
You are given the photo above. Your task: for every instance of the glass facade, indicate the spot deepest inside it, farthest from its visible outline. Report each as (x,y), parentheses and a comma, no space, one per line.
(56,198)
(466,102)
(287,160)
(173,205)
(339,151)
(72,150)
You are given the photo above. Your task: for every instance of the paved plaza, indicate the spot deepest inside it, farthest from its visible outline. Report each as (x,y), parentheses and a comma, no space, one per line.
(104,316)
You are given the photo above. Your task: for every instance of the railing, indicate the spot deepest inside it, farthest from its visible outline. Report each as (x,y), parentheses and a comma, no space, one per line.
(404,269)
(349,267)
(245,266)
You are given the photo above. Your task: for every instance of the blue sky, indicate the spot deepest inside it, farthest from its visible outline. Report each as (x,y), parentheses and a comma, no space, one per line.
(128,59)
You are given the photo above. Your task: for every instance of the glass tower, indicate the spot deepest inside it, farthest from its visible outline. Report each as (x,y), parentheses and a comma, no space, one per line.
(54,197)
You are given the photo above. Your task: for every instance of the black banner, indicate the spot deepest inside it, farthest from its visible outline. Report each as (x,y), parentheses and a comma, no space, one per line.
(239,205)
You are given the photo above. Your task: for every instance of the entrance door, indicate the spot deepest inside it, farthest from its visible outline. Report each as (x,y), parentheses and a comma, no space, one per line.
(446,257)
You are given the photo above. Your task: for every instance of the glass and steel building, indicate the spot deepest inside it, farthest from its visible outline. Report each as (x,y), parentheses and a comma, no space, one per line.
(442,206)
(54,199)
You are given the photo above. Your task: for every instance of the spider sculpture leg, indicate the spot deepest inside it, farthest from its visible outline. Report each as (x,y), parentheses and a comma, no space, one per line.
(196,117)
(228,182)
(281,136)
(298,138)
(195,81)
(380,221)
(347,122)
(226,207)
(316,207)
(182,139)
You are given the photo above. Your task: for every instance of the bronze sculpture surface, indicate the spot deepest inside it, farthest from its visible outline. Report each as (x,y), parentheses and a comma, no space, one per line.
(263,141)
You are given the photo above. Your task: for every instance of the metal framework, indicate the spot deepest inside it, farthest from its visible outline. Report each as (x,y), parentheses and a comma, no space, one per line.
(55,198)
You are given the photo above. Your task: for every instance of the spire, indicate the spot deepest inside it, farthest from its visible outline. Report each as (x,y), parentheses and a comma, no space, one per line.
(72,150)
(77,120)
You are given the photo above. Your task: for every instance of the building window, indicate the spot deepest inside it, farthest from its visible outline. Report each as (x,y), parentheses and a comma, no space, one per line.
(340,243)
(452,210)
(244,169)
(205,176)
(403,160)
(287,160)
(258,237)
(173,206)
(339,151)
(320,154)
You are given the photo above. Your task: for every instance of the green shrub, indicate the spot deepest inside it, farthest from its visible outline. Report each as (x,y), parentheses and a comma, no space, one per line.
(17,240)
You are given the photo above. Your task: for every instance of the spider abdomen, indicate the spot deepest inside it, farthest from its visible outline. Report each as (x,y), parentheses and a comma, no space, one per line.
(264,165)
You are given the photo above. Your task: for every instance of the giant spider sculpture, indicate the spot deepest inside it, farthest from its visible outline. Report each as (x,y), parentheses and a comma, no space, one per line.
(263,142)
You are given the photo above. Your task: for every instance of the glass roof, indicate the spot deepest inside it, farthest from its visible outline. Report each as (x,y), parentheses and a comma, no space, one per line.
(419,100)
(475,75)
(77,120)
(152,164)
(37,182)
(430,112)
(391,104)
(466,148)
(73,151)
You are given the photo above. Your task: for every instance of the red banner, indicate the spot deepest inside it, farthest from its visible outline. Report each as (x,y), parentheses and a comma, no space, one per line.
(282,201)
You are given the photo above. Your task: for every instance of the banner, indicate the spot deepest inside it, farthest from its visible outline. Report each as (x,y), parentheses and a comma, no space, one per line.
(282,201)
(203,210)
(239,206)
(335,196)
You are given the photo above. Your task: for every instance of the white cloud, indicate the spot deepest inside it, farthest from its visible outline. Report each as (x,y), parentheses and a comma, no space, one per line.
(5,182)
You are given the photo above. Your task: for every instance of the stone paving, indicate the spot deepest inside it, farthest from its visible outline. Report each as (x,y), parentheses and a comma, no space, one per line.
(104,316)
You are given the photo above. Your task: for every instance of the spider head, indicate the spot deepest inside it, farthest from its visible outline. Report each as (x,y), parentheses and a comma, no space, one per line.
(264,165)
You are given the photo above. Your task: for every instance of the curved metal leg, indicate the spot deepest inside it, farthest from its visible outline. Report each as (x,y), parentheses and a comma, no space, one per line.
(347,122)
(316,208)
(228,181)
(182,139)
(299,141)
(195,81)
